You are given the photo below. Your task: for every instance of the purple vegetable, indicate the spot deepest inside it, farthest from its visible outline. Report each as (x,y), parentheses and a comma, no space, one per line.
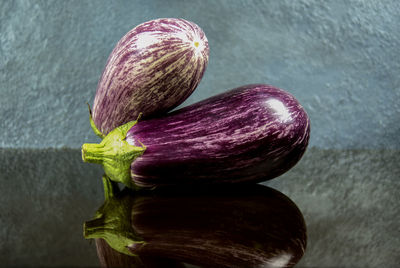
(110,258)
(151,70)
(249,134)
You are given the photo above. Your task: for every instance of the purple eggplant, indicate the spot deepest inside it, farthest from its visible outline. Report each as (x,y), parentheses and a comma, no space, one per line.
(249,134)
(151,70)
(110,258)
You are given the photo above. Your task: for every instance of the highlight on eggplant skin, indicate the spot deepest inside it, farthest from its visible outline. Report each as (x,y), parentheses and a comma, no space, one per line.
(249,134)
(151,70)
(229,226)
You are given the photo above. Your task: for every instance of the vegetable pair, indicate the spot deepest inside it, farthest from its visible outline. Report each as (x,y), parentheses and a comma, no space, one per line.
(249,134)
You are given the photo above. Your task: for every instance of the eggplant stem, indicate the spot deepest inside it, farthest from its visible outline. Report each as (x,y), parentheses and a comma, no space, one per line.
(93,125)
(110,188)
(115,154)
(139,116)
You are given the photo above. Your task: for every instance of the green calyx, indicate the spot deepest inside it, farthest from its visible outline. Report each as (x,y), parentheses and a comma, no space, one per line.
(115,154)
(112,222)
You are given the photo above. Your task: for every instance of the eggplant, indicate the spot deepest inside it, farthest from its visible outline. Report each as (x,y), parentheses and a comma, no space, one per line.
(151,70)
(249,134)
(222,226)
(110,258)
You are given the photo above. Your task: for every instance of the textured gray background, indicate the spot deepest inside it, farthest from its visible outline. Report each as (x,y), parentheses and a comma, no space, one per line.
(339,58)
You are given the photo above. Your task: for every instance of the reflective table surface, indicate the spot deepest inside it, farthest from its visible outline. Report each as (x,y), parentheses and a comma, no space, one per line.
(348,200)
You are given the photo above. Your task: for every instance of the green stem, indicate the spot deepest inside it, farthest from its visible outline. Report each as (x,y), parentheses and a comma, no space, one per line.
(110,188)
(93,152)
(93,125)
(115,154)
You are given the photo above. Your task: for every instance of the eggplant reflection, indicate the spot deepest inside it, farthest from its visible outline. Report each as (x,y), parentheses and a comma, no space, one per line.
(109,257)
(229,226)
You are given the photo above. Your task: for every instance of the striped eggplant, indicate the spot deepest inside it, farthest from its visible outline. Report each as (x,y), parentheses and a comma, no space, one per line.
(249,134)
(151,70)
(110,258)
(210,227)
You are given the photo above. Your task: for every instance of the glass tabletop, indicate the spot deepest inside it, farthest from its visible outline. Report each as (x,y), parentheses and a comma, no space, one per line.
(347,199)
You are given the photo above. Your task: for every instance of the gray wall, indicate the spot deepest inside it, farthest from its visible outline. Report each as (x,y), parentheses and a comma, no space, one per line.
(339,58)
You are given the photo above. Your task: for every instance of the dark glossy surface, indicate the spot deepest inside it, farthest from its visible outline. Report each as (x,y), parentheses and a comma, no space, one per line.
(349,200)
(229,226)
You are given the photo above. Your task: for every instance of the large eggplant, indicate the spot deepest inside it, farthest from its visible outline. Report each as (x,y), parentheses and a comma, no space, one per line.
(227,226)
(110,258)
(151,70)
(249,134)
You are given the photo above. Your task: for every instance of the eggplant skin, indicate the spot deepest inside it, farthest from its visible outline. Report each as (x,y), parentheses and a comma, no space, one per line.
(249,134)
(110,258)
(151,70)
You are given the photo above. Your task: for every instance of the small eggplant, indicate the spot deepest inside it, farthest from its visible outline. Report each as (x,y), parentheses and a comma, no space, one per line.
(229,226)
(249,134)
(152,69)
